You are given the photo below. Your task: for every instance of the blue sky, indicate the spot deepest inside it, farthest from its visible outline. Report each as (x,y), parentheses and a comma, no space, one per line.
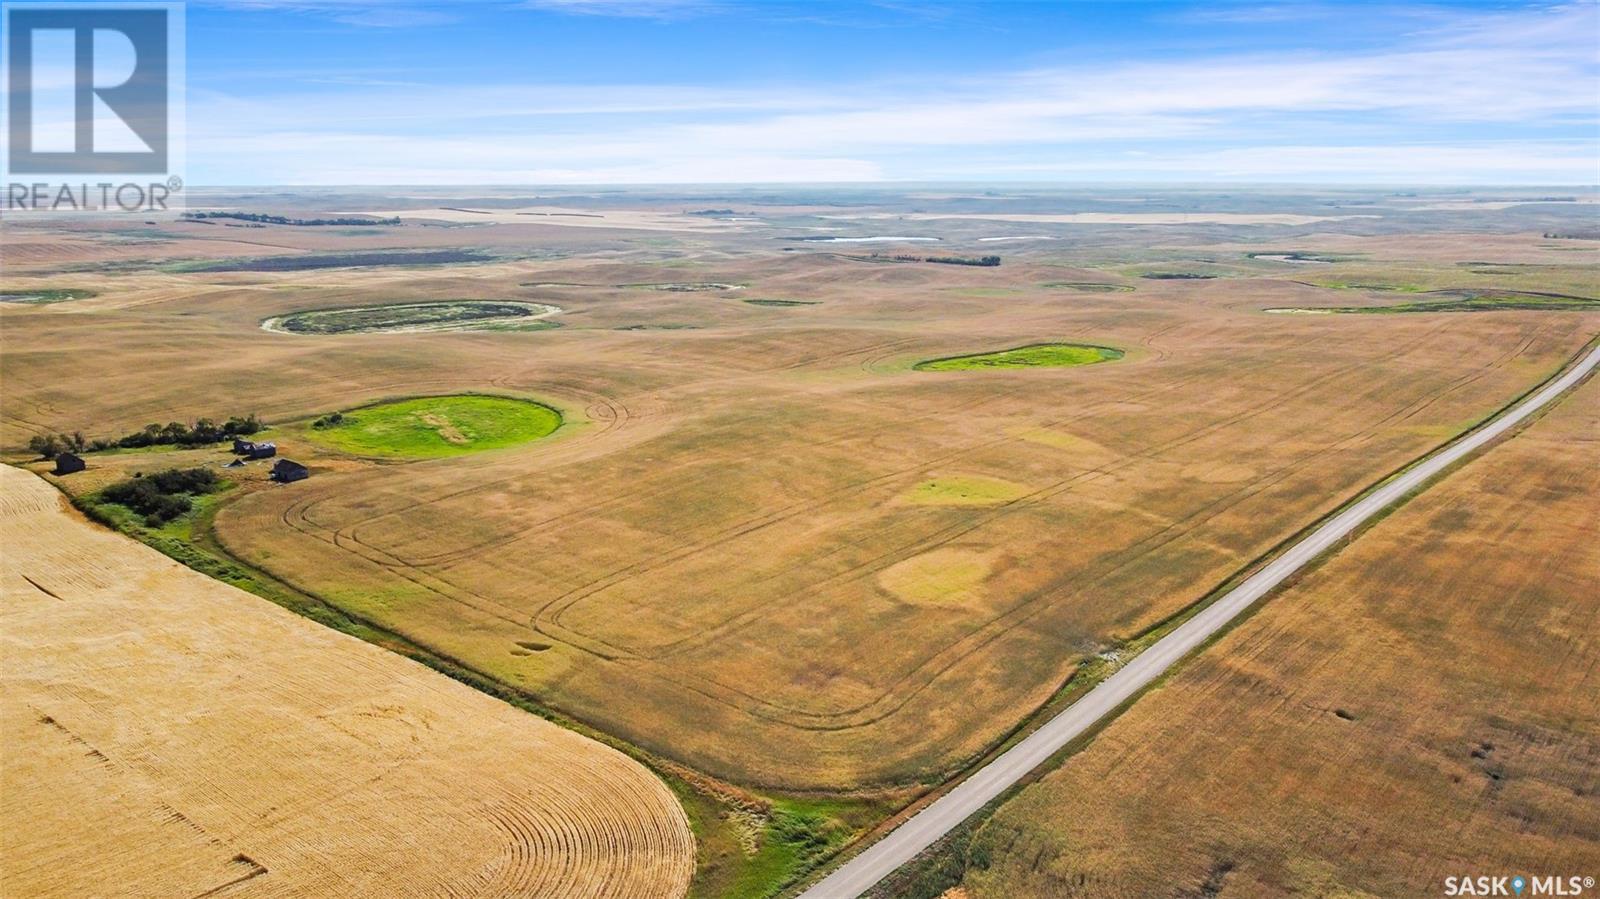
(695,91)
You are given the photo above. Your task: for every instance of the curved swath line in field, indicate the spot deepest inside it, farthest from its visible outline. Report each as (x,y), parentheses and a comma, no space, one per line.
(1149,341)
(614,828)
(589,511)
(443,589)
(616,417)
(553,627)
(543,616)
(835,357)
(559,458)
(1049,595)
(962,528)
(547,831)
(854,487)
(621,416)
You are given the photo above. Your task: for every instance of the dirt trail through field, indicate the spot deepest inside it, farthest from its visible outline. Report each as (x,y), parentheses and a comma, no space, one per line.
(167,734)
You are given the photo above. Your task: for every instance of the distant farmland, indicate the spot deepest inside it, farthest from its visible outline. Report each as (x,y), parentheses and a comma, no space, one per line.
(341,260)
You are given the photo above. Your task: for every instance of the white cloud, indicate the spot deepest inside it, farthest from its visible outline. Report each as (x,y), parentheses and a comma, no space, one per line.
(368,13)
(1394,113)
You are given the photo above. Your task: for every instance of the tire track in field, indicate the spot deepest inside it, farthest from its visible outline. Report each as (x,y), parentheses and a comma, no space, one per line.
(657,395)
(1048,593)
(545,617)
(589,511)
(1128,560)
(773,517)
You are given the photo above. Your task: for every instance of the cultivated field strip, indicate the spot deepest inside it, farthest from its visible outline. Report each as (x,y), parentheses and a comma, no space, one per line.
(167,734)
(1443,669)
(493,566)
(996,776)
(722,558)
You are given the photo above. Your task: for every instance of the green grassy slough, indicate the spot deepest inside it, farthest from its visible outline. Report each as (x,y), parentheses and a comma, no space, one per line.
(433,426)
(1467,301)
(1038,355)
(44,297)
(448,315)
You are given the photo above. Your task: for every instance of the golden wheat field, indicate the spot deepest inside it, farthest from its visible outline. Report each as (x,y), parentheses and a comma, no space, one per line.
(169,735)
(739,551)
(1425,705)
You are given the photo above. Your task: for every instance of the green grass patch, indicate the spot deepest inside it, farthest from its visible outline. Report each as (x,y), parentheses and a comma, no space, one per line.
(1352,285)
(1465,301)
(783,302)
(44,297)
(983,293)
(965,490)
(450,315)
(683,286)
(759,848)
(1292,257)
(433,426)
(1087,286)
(313,261)
(1038,355)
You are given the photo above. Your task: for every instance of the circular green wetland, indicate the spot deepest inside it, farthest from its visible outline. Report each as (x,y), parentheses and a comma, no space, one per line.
(1038,355)
(444,315)
(433,426)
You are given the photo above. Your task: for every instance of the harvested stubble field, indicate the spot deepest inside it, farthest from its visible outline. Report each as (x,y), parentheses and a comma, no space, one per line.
(723,552)
(763,544)
(1425,705)
(169,735)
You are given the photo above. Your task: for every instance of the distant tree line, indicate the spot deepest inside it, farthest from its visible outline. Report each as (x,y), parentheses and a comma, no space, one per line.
(202,432)
(1572,235)
(263,218)
(986,261)
(163,496)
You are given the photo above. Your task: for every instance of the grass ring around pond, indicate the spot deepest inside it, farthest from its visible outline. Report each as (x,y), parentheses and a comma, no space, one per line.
(432,426)
(1035,355)
(441,315)
(44,296)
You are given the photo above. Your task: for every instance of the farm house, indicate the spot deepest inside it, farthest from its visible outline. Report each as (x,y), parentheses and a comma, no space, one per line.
(286,470)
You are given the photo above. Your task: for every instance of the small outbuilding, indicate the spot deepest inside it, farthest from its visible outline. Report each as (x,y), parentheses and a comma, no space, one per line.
(67,463)
(286,470)
(252,450)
